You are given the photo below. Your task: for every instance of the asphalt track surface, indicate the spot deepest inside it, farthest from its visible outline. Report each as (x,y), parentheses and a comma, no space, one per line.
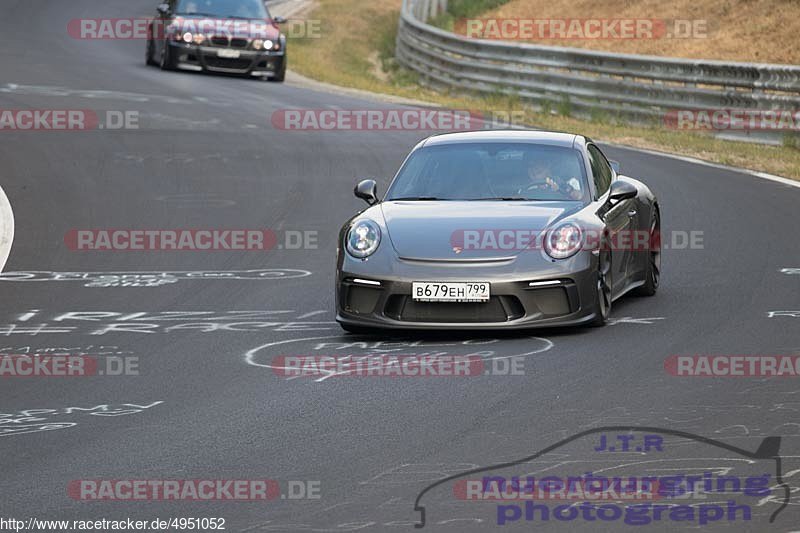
(205,155)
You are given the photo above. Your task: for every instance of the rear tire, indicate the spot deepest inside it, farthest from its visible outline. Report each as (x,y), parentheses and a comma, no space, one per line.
(652,271)
(602,303)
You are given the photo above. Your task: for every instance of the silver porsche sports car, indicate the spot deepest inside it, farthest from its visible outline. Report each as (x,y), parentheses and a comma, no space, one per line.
(495,230)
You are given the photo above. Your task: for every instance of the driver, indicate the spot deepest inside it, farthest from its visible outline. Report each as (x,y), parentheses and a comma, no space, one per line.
(542,177)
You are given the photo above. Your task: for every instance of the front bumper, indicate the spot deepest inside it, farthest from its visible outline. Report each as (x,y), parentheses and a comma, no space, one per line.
(206,58)
(514,303)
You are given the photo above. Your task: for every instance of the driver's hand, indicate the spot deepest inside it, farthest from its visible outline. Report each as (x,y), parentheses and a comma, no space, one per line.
(547,184)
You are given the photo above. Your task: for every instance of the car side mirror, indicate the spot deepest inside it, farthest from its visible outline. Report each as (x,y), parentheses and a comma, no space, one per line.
(367,190)
(622,190)
(162,8)
(279,20)
(614,165)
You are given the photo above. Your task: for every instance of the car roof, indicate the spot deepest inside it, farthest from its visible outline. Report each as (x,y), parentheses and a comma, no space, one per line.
(553,138)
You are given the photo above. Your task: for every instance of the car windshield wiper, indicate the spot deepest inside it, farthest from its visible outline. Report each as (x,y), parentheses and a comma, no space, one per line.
(206,15)
(420,198)
(503,199)
(241,18)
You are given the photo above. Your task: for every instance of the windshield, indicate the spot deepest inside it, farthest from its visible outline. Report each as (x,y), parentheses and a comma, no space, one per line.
(248,9)
(491,171)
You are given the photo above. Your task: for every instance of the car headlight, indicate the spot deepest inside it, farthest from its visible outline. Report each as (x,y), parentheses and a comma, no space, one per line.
(263,44)
(563,241)
(187,37)
(199,38)
(363,239)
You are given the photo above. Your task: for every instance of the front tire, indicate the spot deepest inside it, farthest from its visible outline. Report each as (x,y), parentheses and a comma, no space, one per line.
(150,49)
(167,60)
(281,74)
(603,297)
(652,270)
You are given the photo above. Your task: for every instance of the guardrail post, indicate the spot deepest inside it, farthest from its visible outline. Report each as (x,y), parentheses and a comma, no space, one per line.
(434,9)
(418,4)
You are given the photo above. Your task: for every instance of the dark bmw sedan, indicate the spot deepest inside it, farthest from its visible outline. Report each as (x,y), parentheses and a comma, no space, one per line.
(225,36)
(498,229)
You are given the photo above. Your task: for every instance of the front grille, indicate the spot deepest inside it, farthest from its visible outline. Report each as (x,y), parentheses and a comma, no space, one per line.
(497,309)
(224,41)
(220,40)
(360,300)
(552,301)
(213,62)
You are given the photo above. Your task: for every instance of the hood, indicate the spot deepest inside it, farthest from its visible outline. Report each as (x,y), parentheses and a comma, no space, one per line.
(451,230)
(230,28)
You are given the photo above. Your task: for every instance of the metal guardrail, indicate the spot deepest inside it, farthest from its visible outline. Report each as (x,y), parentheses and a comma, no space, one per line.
(634,85)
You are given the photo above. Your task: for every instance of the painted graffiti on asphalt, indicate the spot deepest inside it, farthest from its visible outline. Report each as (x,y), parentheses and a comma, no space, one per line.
(35,322)
(88,349)
(37,420)
(378,352)
(152,278)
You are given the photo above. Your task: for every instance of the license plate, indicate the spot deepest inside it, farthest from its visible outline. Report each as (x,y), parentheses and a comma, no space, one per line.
(471,291)
(229,54)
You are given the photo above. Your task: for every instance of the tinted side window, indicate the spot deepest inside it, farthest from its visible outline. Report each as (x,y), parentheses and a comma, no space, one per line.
(601,170)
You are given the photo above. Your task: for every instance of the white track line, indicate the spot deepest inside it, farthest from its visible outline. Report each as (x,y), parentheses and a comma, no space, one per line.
(693,160)
(6,228)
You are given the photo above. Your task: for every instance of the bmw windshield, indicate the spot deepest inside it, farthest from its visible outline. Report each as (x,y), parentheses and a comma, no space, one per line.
(244,9)
(491,171)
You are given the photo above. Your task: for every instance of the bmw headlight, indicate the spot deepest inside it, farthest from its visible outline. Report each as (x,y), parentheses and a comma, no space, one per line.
(363,239)
(563,241)
(262,44)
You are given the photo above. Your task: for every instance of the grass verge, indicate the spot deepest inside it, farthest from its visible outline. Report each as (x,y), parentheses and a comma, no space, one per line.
(464,9)
(356,50)
(728,30)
